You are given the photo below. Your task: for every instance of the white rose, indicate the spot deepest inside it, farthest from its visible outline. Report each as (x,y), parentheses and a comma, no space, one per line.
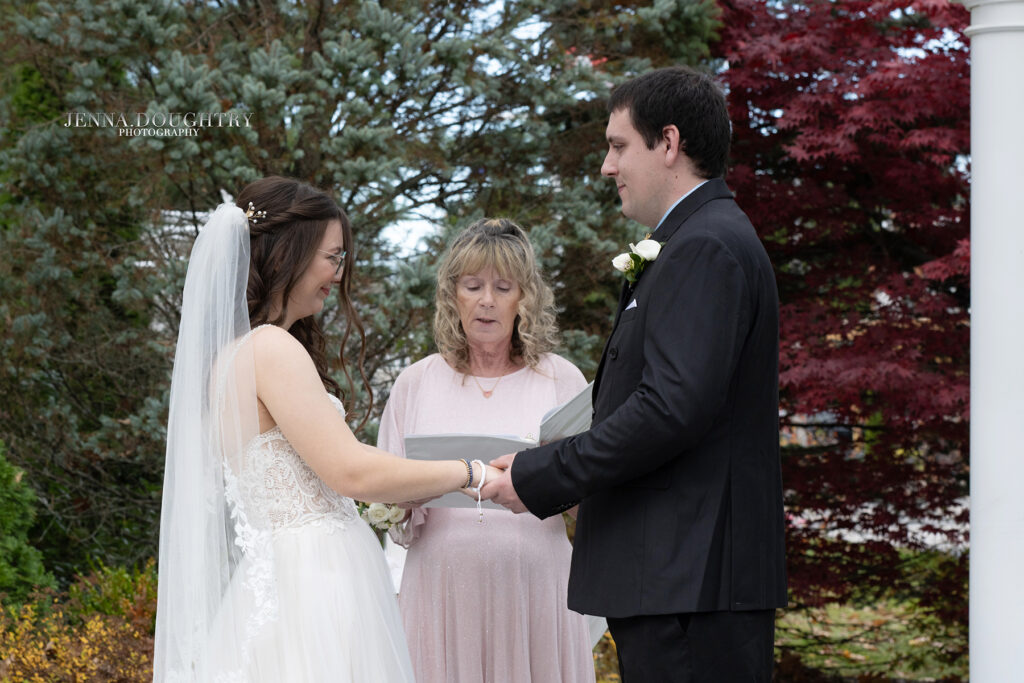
(377,513)
(397,514)
(621,262)
(647,249)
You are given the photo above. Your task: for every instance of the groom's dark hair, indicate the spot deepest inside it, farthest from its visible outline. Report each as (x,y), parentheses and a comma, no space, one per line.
(687,99)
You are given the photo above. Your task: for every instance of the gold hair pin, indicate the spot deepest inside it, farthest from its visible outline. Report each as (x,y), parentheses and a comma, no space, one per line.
(252,214)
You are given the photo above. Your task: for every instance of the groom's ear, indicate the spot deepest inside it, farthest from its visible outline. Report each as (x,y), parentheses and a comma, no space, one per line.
(670,144)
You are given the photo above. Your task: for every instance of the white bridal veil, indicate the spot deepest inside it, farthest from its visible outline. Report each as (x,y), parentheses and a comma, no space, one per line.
(212,418)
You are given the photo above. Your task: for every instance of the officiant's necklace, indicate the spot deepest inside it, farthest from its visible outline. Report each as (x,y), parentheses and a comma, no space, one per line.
(488,392)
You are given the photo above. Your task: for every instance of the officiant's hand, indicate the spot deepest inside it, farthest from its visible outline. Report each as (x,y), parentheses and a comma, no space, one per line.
(501,490)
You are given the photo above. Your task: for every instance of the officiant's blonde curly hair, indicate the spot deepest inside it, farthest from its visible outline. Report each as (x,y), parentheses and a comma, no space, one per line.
(501,244)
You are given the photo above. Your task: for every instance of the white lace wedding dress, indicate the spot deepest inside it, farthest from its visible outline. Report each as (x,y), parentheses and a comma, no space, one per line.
(312,600)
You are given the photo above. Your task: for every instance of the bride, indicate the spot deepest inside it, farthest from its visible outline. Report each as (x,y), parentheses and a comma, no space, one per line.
(267,572)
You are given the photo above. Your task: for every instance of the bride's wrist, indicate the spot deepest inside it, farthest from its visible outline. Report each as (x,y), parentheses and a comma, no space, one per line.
(471,476)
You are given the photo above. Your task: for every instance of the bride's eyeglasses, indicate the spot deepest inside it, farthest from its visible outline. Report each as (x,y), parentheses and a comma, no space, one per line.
(337,259)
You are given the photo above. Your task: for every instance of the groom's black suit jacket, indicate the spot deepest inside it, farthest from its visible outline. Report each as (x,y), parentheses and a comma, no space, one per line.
(678,478)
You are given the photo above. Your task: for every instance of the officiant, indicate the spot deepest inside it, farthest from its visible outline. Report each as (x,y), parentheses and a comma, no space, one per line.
(484,598)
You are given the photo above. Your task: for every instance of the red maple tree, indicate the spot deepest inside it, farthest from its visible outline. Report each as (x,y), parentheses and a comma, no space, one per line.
(851,134)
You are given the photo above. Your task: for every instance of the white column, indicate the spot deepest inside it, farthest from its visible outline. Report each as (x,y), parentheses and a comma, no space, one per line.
(997,340)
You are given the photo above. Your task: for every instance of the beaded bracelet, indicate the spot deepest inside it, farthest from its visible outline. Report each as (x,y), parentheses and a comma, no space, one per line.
(469,474)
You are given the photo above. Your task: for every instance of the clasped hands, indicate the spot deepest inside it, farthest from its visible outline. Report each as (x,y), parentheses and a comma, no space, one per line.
(497,487)
(489,474)
(500,488)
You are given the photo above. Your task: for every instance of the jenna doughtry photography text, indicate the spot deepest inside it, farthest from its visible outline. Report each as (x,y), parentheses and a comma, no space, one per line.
(157,124)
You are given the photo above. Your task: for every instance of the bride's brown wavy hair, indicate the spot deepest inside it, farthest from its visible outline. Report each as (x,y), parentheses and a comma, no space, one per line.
(282,244)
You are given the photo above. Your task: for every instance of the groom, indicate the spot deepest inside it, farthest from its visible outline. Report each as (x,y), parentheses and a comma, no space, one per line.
(679,538)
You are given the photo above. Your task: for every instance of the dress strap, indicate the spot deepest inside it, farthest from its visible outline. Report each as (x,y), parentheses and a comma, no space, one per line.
(245,337)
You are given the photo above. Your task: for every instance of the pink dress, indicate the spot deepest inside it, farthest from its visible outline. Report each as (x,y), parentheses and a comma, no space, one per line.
(485,603)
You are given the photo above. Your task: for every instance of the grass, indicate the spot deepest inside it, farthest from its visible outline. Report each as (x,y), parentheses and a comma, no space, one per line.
(889,640)
(885,641)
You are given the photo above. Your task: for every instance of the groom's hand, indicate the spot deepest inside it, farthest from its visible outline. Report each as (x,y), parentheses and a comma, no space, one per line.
(501,490)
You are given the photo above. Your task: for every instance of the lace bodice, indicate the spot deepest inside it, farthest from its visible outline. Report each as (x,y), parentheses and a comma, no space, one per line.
(278,488)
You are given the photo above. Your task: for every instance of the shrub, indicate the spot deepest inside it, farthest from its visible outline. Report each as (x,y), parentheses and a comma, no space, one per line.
(21,565)
(100,630)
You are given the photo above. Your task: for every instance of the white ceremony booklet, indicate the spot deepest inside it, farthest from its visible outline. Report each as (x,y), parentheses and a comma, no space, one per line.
(572,417)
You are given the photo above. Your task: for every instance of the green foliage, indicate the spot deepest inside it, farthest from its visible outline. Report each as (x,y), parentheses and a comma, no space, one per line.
(116,591)
(21,565)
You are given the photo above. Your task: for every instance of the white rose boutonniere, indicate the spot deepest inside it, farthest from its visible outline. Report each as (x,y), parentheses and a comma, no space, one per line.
(646,249)
(622,262)
(632,263)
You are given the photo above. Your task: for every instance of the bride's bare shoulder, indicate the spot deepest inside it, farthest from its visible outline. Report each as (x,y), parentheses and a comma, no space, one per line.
(276,349)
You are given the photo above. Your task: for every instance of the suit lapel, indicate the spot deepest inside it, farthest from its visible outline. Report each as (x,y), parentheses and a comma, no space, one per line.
(623,298)
(627,289)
